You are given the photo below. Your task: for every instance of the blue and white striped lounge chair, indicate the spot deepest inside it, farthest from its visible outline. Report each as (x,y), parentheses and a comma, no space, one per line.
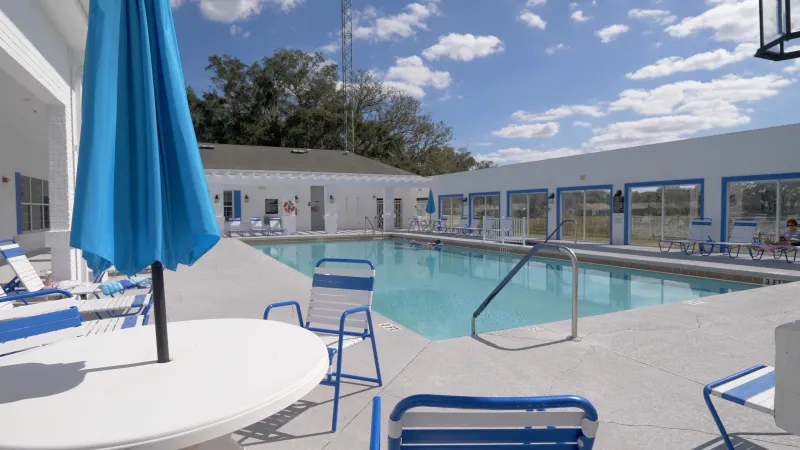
(758,249)
(236,227)
(554,422)
(742,234)
(27,278)
(257,226)
(699,233)
(27,327)
(339,311)
(275,226)
(111,307)
(753,388)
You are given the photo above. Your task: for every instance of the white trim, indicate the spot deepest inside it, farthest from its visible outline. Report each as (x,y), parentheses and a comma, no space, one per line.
(330,178)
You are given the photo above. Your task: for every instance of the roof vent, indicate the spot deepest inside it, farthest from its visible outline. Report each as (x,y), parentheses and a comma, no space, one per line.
(206,147)
(300,151)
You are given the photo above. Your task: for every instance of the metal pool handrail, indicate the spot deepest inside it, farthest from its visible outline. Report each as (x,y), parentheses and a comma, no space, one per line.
(520,264)
(366,220)
(562,224)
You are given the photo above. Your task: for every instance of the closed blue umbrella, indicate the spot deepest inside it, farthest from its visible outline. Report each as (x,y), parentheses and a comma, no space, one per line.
(430,208)
(141,197)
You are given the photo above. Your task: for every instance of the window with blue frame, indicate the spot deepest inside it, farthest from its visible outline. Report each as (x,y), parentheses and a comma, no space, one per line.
(34,204)
(451,211)
(591,211)
(770,202)
(533,207)
(485,205)
(663,211)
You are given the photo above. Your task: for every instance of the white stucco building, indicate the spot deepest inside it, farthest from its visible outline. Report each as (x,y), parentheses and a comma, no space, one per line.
(746,174)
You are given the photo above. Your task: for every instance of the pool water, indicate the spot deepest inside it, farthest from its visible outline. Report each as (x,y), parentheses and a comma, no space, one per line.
(435,291)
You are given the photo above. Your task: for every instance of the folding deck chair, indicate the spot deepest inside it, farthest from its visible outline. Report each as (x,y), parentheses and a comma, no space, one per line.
(27,327)
(339,311)
(235,227)
(753,388)
(275,226)
(758,249)
(742,235)
(553,422)
(257,226)
(699,233)
(27,278)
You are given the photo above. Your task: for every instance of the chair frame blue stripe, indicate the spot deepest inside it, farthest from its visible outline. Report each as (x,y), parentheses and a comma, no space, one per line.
(470,439)
(707,397)
(335,378)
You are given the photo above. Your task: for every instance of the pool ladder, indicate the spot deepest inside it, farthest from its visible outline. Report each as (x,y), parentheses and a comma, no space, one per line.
(367,221)
(561,225)
(574,335)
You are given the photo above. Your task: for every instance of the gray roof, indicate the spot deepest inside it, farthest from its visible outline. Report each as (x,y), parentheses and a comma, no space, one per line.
(251,157)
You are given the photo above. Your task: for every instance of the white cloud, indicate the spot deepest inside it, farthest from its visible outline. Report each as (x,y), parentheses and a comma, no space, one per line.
(685,108)
(229,11)
(581,124)
(731,20)
(578,16)
(702,61)
(401,25)
(411,76)
(536,130)
(331,47)
(573,5)
(237,30)
(175,3)
(463,47)
(483,144)
(793,68)
(555,48)
(535,3)
(660,16)
(517,155)
(532,20)
(611,32)
(560,113)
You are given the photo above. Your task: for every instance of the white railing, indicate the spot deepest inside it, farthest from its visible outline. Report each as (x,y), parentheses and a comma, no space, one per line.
(505,229)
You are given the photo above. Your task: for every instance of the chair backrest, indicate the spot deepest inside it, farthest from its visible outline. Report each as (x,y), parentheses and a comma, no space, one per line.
(16,258)
(256,222)
(275,223)
(43,323)
(743,231)
(335,290)
(234,224)
(700,230)
(498,422)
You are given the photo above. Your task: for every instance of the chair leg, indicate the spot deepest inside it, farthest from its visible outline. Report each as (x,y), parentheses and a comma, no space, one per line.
(336,386)
(375,354)
(715,416)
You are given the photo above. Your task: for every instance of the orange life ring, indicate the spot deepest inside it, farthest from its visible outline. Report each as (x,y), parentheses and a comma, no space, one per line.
(289,206)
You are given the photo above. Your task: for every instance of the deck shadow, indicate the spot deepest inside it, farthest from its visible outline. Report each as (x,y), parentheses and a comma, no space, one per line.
(517,349)
(267,430)
(739,443)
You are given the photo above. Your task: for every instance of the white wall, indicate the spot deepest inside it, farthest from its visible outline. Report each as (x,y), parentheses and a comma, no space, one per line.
(23,149)
(352,203)
(764,151)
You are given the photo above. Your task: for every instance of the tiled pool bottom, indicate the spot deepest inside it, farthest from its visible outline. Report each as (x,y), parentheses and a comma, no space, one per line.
(434,292)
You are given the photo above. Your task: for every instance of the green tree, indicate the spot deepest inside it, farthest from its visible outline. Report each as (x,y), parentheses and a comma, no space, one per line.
(292,99)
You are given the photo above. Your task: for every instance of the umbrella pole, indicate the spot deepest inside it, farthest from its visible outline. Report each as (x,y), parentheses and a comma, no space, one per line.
(162,343)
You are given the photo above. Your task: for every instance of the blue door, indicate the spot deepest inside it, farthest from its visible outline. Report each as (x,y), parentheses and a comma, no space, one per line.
(237,204)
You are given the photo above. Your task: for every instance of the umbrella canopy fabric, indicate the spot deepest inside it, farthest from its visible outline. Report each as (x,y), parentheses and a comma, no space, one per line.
(430,208)
(141,194)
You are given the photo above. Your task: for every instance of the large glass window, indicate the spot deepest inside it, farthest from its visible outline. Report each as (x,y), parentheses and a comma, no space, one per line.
(769,202)
(487,205)
(531,206)
(35,204)
(227,205)
(451,210)
(591,210)
(658,212)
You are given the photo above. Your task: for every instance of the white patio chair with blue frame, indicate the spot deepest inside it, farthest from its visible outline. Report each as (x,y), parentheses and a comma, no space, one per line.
(340,297)
(235,227)
(28,281)
(27,327)
(275,226)
(563,422)
(753,388)
(257,226)
(699,233)
(742,235)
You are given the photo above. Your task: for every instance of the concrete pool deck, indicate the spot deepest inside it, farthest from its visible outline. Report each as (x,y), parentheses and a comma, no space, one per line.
(644,369)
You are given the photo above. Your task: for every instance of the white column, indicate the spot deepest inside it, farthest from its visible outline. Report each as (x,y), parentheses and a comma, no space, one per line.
(331,210)
(66,262)
(388,208)
(288,219)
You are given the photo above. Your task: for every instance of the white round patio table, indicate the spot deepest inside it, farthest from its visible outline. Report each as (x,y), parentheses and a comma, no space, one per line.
(107,392)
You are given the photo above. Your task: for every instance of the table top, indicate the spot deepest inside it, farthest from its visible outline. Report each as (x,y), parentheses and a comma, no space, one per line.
(107,391)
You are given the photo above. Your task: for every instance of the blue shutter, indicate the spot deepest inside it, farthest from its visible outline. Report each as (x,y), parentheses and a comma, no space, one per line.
(18,184)
(237,204)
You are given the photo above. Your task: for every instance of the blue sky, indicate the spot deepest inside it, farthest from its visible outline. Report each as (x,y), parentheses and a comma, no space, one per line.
(523,80)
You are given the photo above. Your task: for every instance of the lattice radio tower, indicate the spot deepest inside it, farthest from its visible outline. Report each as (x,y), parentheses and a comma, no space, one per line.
(347,74)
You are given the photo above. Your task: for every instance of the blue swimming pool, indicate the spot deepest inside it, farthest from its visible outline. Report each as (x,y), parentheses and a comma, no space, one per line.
(434,292)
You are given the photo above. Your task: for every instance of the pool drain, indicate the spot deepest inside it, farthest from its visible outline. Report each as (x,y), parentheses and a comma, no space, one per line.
(388,326)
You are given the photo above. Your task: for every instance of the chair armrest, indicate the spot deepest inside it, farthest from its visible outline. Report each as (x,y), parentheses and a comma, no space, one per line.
(354,311)
(281,304)
(375,433)
(26,295)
